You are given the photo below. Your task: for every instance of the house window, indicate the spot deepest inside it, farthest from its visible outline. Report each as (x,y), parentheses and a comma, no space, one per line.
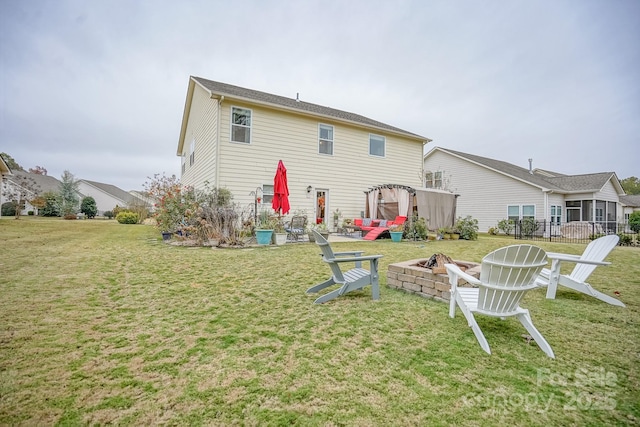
(513,213)
(192,152)
(240,125)
(325,144)
(518,212)
(556,214)
(376,145)
(433,179)
(528,211)
(267,193)
(437,183)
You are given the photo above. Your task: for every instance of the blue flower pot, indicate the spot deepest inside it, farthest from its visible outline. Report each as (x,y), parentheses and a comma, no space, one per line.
(263,237)
(396,236)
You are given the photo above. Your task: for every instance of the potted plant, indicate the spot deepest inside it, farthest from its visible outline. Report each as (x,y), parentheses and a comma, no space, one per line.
(264,229)
(322,229)
(336,217)
(279,233)
(396,232)
(443,233)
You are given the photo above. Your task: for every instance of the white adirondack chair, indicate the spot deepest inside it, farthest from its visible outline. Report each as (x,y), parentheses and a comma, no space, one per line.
(506,275)
(355,278)
(593,256)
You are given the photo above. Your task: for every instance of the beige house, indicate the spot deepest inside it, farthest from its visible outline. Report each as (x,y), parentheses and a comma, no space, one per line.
(232,137)
(491,190)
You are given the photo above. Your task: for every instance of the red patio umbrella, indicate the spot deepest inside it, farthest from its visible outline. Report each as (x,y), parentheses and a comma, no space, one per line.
(280,201)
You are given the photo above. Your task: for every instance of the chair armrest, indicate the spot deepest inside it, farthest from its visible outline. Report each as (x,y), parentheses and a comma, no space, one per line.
(355,259)
(454,272)
(353,253)
(574,258)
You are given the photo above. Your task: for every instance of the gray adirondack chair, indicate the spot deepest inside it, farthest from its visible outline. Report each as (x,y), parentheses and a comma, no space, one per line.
(506,275)
(593,256)
(353,279)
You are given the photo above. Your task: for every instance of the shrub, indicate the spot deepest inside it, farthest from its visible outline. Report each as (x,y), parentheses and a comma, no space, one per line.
(70,215)
(417,229)
(30,213)
(8,209)
(493,231)
(528,227)
(88,207)
(108,214)
(506,226)
(634,221)
(625,239)
(467,227)
(126,217)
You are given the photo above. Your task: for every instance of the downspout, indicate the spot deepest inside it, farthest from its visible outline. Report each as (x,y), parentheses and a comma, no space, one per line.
(217,165)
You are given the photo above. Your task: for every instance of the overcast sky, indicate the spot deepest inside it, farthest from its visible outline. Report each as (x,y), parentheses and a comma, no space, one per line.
(98,87)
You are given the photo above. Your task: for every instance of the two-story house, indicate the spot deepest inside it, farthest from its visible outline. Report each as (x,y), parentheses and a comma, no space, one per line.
(232,137)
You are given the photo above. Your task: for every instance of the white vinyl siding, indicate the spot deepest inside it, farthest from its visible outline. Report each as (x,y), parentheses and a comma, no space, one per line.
(325,139)
(484,193)
(241,125)
(203,128)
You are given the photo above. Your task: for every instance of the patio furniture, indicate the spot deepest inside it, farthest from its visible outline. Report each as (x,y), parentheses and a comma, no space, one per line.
(506,275)
(593,256)
(353,279)
(296,227)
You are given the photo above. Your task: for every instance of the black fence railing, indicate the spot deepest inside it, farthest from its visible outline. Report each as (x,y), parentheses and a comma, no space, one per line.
(574,232)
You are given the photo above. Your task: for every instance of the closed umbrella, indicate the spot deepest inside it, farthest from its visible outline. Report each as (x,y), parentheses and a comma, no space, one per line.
(280,201)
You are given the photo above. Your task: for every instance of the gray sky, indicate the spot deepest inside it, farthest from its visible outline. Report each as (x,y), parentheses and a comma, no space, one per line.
(98,87)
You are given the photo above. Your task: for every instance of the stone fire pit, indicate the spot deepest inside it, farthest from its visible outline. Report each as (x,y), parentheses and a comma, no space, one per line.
(408,276)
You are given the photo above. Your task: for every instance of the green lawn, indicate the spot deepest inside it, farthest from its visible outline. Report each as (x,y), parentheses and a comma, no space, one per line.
(102,323)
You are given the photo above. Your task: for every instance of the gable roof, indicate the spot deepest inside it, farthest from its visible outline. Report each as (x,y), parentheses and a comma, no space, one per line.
(219,89)
(631,200)
(545,180)
(45,183)
(115,192)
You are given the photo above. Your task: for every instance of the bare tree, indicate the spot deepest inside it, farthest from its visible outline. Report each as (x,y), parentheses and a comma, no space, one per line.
(38,170)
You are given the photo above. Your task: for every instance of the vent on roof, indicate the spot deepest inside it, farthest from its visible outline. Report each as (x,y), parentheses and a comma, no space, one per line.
(297,96)
(531,166)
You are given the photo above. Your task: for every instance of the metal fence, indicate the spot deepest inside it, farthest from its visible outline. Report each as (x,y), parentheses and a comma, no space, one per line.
(574,232)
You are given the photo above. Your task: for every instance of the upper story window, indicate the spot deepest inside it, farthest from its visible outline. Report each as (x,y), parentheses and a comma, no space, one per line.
(376,145)
(240,125)
(325,139)
(192,152)
(433,179)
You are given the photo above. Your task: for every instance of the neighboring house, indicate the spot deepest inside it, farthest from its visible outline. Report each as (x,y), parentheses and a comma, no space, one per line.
(43,184)
(232,137)
(491,190)
(630,204)
(108,196)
